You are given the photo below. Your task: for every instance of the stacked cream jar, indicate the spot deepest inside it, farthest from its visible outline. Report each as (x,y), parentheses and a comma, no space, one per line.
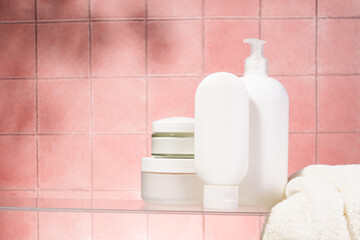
(169,176)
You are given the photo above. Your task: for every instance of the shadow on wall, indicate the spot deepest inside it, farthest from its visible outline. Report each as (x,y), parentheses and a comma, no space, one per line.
(160,46)
(62,51)
(17,106)
(17,57)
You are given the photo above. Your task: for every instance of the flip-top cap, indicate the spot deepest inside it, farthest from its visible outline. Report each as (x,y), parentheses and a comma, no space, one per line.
(221,197)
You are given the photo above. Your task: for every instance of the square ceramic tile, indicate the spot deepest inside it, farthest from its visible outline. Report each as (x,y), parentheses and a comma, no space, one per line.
(175,227)
(339,103)
(290,46)
(302,101)
(171,97)
(174,8)
(230,227)
(242,8)
(118,48)
(302,151)
(17,57)
(119,105)
(117,161)
(18,225)
(64,105)
(174,47)
(339,148)
(288,8)
(224,49)
(64,162)
(14,10)
(338,46)
(63,49)
(66,9)
(64,198)
(120,226)
(64,225)
(117,9)
(17,162)
(17,104)
(344,8)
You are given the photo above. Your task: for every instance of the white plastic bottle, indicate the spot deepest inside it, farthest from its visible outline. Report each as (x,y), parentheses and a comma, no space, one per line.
(266,178)
(221,138)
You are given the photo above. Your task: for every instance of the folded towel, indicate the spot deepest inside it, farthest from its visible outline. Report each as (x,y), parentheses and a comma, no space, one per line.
(322,202)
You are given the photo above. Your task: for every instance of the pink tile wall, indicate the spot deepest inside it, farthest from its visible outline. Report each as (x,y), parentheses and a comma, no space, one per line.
(81,81)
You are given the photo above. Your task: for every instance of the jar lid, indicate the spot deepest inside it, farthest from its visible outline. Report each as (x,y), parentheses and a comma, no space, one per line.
(174,125)
(167,165)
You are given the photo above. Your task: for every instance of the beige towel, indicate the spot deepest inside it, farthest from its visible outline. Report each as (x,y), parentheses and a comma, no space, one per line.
(322,202)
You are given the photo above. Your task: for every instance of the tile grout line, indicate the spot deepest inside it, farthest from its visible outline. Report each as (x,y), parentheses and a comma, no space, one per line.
(175,19)
(146,98)
(159,76)
(37,121)
(203,75)
(316,85)
(203,36)
(91,98)
(72,190)
(146,73)
(69,133)
(203,226)
(144,133)
(260,21)
(260,4)
(91,139)
(36,101)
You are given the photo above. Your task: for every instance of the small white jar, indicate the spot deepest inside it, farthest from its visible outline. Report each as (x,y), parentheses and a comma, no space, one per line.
(169,176)
(170,181)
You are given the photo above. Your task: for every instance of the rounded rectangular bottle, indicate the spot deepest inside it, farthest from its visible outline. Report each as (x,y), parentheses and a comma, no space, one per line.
(265,181)
(221,138)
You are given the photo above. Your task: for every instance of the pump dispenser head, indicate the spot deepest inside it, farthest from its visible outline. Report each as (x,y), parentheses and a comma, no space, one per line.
(256,63)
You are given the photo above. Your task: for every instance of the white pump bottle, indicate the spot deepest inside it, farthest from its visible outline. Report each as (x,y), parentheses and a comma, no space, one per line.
(221,138)
(265,181)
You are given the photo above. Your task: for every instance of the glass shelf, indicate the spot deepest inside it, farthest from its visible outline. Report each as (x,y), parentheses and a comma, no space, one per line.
(117,206)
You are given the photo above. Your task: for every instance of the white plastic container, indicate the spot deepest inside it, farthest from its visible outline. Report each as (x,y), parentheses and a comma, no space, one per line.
(266,178)
(168,177)
(170,181)
(221,138)
(173,137)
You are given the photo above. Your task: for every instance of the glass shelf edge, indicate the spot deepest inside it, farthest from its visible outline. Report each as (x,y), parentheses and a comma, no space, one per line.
(117,206)
(26,209)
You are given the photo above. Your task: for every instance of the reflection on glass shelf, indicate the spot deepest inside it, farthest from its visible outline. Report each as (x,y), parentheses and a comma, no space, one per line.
(111,205)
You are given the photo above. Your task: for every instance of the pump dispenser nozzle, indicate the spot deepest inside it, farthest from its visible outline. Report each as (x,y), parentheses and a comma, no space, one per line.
(256,63)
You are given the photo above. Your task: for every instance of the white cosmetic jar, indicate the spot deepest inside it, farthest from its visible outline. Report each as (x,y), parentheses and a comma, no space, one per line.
(173,137)
(169,176)
(170,181)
